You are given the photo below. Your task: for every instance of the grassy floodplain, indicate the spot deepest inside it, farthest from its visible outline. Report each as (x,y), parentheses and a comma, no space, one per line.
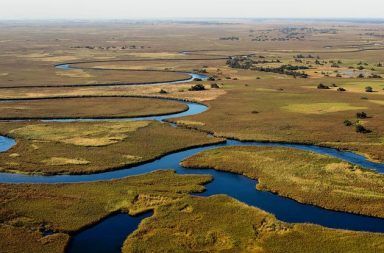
(293,110)
(304,176)
(88,147)
(27,210)
(247,104)
(222,224)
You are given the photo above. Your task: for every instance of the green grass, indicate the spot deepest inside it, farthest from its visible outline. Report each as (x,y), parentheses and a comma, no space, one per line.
(304,176)
(87,147)
(222,224)
(89,135)
(69,207)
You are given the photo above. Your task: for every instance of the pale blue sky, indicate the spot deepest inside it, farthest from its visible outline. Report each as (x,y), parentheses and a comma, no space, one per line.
(128,9)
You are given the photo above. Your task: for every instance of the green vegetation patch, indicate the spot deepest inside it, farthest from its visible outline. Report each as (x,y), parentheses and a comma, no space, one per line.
(87,147)
(321,108)
(78,133)
(69,207)
(304,176)
(222,224)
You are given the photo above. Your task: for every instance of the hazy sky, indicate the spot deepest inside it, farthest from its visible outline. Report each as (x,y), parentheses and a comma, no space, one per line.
(129,9)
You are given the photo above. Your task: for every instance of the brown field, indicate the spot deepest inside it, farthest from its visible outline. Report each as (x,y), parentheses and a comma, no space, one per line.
(112,107)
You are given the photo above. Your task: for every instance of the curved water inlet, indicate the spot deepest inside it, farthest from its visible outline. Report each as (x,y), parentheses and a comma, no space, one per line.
(106,236)
(193,76)
(6,143)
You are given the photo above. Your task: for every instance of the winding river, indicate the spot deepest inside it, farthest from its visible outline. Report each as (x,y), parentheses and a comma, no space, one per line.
(234,185)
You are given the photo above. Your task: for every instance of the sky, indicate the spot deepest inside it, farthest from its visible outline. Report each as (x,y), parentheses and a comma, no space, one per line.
(153,9)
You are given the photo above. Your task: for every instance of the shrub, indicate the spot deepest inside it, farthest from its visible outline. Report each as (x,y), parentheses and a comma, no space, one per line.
(362,129)
(368,89)
(341,89)
(211,78)
(347,122)
(163,91)
(361,115)
(214,86)
(197,87)
(322,86)
(197,79)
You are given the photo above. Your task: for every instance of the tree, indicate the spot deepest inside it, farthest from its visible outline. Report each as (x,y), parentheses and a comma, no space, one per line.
(362,129)
(197,87)
(214,86)
(322,86)
(347,123)
(368,89)
(361,115)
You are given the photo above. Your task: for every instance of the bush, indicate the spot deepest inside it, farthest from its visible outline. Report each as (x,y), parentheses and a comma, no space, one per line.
(197,79)
(347,123)
(361,115)
(368,89)
(341,89)
(322,86)
(163,91)
(197,87)
(214,86)
(362,129)
(211,78)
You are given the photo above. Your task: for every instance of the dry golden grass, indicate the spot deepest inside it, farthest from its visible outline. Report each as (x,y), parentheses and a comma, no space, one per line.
(67,208)
(96,107)
(221,224)
(101,134)
(57,161)
(321,108)
(304,176)
(104,145)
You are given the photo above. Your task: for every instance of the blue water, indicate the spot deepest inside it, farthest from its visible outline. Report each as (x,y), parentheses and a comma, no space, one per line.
(6,143)
(106,236)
